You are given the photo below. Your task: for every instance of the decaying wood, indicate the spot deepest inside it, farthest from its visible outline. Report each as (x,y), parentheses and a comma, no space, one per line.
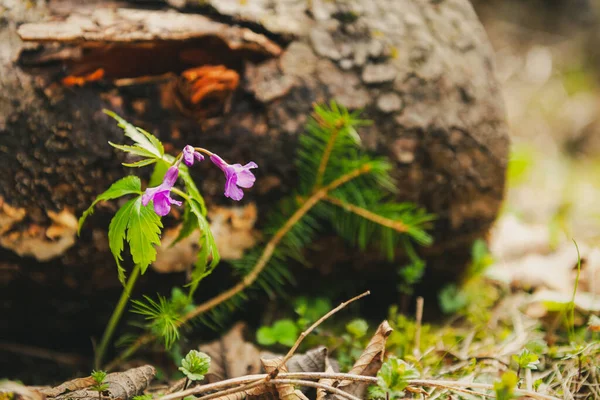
(421,70)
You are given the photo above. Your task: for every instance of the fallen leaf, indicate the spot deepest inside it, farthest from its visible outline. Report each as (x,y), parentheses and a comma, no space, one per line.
(69,386)
(314,360)
(121,385)
(231,356)
(286,390)
(322,393)
(369,362)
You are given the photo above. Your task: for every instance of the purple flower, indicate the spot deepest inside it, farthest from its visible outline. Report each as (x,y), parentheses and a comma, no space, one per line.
(162,194)
(189,154)
(237,177)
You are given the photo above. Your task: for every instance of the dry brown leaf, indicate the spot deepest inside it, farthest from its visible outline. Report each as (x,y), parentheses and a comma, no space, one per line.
(322,393)
(69,386)
(121,385)
(286,390)
(369,362)
(314,360)
(231,356)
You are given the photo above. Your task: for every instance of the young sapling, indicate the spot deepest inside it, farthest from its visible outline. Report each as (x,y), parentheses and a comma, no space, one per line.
(99,385)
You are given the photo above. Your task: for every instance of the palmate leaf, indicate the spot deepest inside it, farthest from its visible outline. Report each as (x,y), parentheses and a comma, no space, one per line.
(142,139)
(143,233)
(135,150)
(140,225)
(116,235)
(141,163)
(122,187)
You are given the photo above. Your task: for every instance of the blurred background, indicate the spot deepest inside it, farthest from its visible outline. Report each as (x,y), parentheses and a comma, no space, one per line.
(548,63)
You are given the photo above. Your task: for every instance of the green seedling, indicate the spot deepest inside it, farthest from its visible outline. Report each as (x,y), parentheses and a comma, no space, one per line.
(194,366)
(99,385)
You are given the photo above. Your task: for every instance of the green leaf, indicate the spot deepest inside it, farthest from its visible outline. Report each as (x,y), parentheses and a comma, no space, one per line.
(143,233)
(285,332)
(265,337)
(142,138)
(357,328)
(122,187)
(154,140)
(526,359)
(195,365)
(116,234)
(208,248)
(136,150)
(141,163)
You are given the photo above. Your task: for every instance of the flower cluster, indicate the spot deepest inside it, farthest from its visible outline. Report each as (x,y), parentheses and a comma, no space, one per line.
(237,176)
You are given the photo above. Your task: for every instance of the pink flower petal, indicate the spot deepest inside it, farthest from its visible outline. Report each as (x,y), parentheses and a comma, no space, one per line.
(245,179)
(162,205)
(231,189)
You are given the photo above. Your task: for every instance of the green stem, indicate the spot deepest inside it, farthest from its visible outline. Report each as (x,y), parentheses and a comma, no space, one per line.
(116,316)
(180,193)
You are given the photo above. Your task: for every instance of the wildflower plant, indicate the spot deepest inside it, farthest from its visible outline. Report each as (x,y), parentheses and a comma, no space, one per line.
(340,187)
(138,221)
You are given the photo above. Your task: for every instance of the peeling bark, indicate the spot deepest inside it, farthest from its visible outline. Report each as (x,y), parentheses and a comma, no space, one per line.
(421,70)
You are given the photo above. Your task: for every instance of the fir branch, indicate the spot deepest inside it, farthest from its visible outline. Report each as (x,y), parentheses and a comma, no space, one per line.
(398,226)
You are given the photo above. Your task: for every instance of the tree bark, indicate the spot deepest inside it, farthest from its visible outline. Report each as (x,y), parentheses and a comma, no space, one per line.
(421,70)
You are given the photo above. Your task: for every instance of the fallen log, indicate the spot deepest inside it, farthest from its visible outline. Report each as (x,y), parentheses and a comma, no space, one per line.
(239,78)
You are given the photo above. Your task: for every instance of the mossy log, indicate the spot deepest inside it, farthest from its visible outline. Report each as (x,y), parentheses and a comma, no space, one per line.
(421,70)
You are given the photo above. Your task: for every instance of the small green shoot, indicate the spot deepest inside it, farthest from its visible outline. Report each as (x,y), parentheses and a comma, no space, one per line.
(505,387)
(99,385)
(526,360)
(393,378)
(195,365)
(284,332)
(163,318)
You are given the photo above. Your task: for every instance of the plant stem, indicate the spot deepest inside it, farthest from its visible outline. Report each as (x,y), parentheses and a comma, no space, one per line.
(116,316)
(262,262)
(185,385)
(181,193)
